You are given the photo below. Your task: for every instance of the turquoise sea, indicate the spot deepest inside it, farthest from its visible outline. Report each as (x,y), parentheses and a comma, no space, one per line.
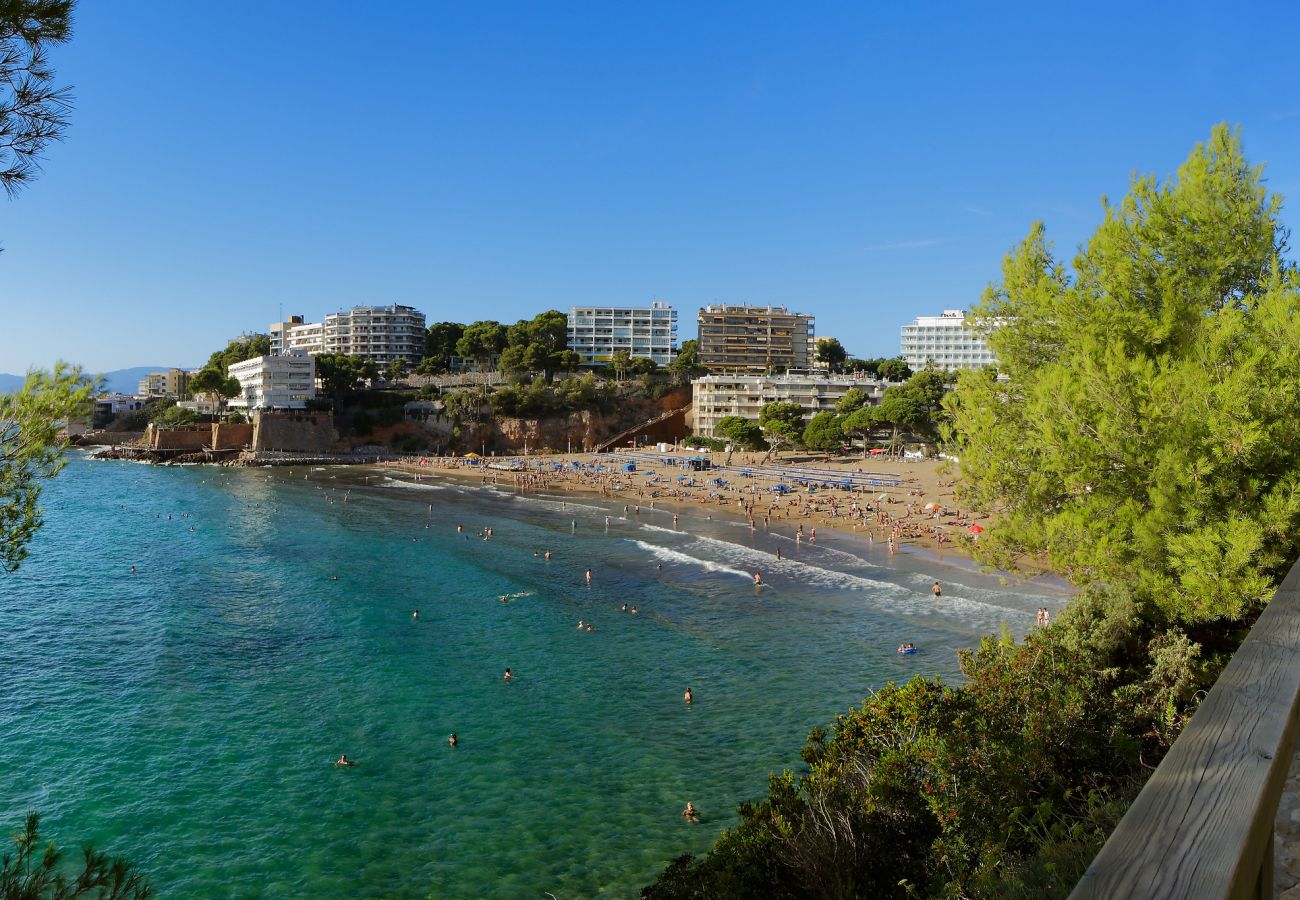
(188,716)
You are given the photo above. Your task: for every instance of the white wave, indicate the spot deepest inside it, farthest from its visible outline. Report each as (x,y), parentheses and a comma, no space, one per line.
(661,528)
(412,485)
(674,556)
(566,505)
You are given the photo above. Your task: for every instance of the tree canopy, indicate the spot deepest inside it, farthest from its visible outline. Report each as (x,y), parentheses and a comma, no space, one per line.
(343,373)
(440,347)
(831,352)
(744,434)
(481,341)
(539,344)
(782,424)
(33,112)
(1144,434)
(685,366)
(31,450)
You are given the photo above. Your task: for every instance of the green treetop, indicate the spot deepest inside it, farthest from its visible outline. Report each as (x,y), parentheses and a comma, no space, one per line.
(1145,433)
(31,450)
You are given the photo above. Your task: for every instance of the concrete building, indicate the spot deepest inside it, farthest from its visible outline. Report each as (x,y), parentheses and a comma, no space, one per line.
(945,341)
(286,381)
(717,396)
(645,332)
(171,383)
(297,334)
(379,333)
(755,339)
(110,406)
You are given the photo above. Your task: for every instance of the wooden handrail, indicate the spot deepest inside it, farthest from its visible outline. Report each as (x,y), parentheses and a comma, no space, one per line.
(1203,824)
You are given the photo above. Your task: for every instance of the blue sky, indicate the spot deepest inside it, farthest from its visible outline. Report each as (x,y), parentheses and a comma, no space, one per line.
(866,163)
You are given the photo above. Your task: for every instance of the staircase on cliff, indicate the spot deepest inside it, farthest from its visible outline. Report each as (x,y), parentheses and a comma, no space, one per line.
(636,430)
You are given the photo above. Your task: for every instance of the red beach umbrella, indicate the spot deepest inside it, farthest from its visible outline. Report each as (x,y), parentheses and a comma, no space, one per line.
(975,529)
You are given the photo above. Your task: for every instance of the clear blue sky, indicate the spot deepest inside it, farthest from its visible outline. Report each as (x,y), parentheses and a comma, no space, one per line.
(865,162)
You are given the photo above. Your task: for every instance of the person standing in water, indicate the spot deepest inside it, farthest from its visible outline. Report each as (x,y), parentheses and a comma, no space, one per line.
(688,697)
(937,589)
(589,576)
(758,579)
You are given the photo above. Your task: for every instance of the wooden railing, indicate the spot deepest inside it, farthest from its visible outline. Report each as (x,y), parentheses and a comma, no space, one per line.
(1203,824)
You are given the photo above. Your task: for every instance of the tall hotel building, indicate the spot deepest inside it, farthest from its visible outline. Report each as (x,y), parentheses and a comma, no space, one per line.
(945,342)
(645,332)
(381,334)
(755,339)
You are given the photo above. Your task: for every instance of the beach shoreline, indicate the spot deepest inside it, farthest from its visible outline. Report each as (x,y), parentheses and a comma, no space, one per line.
(918,482)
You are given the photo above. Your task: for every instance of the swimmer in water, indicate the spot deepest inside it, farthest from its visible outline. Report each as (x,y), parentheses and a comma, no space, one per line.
(460,528)
(633,610)
(688,697)
(589,576)
(133,570)
(623,608)
(453,740)
(690,813)
(548,554)
(778,552)
(344,761)
(937,589)
(758,579)
(589,628)
(507,677)
(581,624)
(415,614)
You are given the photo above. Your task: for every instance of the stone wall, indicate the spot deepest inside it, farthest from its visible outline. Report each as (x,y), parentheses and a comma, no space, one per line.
(189,437)
(231,437)
(296,432)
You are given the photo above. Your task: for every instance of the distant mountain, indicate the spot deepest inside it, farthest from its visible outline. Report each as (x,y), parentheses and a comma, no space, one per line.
(119,381)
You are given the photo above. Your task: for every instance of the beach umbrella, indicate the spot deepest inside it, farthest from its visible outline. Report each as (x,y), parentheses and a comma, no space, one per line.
(933,506)
(472,456)
(975,529)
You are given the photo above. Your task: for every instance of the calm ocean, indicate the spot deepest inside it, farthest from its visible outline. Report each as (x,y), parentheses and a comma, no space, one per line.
(188,716)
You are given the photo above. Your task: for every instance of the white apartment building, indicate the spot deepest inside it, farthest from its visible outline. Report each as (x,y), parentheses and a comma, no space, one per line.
(286,381)
(378,333)
(716,396)
(945,342)
(297,334)
(645,332)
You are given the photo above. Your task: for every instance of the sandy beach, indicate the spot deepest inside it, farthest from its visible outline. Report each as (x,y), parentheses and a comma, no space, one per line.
(909,505)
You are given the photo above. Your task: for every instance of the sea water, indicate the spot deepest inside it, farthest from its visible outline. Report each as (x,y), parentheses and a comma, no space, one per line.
(188,716)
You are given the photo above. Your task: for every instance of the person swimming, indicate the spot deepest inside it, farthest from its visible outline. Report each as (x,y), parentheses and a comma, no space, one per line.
(690,813)
(344,761)
(548,554)
(453,740)
(507,677)
(589,576)
(623,608)
(415,614)
(758,579)
(581,624)
(633,610)
(688,696)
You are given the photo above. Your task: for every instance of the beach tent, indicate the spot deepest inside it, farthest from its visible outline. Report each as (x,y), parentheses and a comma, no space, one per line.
(629,467)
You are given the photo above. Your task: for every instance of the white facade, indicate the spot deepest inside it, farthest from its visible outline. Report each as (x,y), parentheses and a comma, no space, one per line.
(645,332)
(377,333)
(716,396)
(297,334)
(287,381)
(945,342)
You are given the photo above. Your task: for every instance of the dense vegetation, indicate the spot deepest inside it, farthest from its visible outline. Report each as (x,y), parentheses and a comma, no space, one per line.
(1143,443)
